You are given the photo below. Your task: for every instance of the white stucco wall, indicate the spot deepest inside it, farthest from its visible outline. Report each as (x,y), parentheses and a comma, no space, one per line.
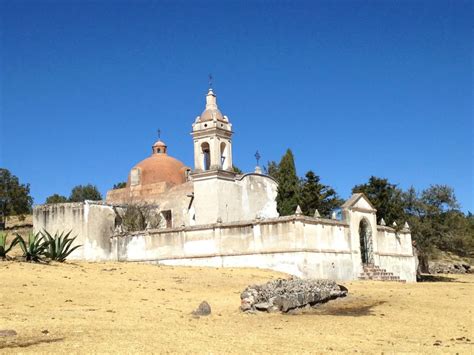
(92,223)
(395,253)
(232,200)
(297,245)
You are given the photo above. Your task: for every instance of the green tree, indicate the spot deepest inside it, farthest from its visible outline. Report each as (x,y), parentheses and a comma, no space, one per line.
(119,185)
(15,197)
(436,222)
(317,196)
(56,199)
(237,170)
(387,199)
(271,169)
(80,193)
(288,185)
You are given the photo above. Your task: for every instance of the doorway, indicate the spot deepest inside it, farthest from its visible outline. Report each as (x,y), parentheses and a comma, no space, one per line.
(366,248)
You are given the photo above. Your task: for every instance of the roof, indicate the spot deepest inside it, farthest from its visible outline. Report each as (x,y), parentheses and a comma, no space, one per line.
(159,143)
(354,199)
(211,111)
(161,168)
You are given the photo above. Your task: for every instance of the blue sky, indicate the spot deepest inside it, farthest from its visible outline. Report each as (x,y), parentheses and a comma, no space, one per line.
(354,88)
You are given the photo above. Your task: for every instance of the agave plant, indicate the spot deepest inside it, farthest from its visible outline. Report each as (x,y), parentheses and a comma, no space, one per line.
(59,246)
(34,249)
(3,245)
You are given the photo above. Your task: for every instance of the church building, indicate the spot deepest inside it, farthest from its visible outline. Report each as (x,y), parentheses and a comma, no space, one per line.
(212,216)
(210,192)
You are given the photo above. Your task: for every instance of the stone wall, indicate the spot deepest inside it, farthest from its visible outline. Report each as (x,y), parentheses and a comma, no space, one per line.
(299,245)
(93,224)
(395,252)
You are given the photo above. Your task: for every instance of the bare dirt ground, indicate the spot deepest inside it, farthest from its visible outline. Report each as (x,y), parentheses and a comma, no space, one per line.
(127,307)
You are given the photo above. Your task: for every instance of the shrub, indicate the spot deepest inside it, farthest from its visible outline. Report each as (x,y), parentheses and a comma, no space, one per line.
(59,246)
(138,217)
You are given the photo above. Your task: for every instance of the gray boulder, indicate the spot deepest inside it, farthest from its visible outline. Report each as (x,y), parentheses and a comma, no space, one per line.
(204,309)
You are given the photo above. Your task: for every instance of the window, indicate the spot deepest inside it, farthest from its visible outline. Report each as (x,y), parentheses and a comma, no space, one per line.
(168,218)
(135,176)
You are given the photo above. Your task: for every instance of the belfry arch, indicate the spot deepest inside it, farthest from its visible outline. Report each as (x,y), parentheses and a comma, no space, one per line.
(206,156)
(223,156)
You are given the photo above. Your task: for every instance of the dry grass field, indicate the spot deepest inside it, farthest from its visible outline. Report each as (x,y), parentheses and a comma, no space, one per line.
(127,307)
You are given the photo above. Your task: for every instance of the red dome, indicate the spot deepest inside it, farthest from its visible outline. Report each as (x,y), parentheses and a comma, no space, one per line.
(160,168)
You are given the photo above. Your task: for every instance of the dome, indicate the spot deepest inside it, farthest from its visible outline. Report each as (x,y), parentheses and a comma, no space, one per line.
(208,115)
(159,143)
(212,111)
(159,167)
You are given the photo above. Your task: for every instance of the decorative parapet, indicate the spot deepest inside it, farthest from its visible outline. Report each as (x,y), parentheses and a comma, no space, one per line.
(241,224)
(391,229)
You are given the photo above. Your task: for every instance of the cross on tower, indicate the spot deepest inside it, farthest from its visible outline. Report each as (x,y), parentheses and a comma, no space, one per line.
(159,134)
(257,156)
(210,81)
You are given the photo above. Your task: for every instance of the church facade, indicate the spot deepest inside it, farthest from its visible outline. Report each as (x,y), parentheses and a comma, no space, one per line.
(212,216)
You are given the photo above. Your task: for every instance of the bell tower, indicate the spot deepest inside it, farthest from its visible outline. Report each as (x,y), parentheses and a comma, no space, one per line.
(212,135)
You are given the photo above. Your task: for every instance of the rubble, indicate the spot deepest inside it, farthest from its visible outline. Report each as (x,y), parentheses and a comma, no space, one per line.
(287,294)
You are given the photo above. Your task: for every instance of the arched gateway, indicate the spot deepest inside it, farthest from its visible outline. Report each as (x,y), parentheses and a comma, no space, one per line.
(366,245)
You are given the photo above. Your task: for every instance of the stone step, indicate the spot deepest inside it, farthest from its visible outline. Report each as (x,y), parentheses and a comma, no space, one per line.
(375,273)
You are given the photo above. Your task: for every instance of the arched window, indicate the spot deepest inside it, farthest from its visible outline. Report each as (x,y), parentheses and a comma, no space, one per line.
(223,156)
(206,152)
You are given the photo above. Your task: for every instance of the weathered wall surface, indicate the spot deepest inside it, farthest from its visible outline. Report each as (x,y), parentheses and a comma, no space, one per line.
(395,252)
(301,246)
(234,200)
(92,223)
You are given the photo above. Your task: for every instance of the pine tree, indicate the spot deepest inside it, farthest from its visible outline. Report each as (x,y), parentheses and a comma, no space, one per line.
(288,185)
(317,196)
(271,169)
(386,197)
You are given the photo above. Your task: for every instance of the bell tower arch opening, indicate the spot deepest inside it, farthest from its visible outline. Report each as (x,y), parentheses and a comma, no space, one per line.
(206,156)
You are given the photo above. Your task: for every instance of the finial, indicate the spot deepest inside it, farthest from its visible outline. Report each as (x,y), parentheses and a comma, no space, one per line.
(316,214)
(334,215)
(394,224)
(406,226)
(382,222)
(298,211)
(257,156)
(159,134)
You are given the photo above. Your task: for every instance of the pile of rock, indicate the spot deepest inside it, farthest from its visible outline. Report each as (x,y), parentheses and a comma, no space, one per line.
(443,267)
(285,295)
